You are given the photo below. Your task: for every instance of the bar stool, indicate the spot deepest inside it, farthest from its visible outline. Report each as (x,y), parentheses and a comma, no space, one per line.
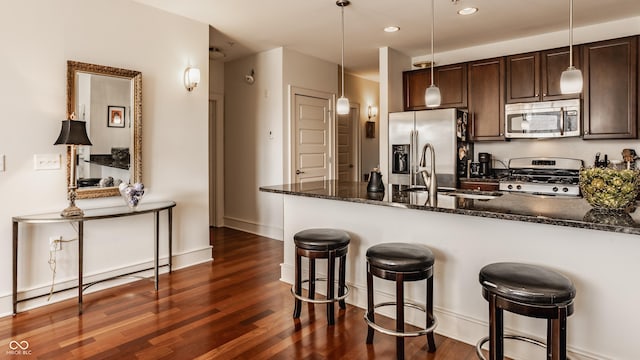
(321,244)
(527,290)
(400,262)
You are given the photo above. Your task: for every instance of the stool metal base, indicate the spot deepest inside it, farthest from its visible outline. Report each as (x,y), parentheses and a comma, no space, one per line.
(319,301)
(529,340)
(404,333)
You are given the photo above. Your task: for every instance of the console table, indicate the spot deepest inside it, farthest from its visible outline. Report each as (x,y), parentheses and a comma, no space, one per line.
(94,214)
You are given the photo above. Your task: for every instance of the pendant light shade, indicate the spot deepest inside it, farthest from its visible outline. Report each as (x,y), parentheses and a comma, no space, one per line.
(432,96)
(571,79)
(342,105)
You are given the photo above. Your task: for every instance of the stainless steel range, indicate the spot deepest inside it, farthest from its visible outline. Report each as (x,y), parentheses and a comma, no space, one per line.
(543,176)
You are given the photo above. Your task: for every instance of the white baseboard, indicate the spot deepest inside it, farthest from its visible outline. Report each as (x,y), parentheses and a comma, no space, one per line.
(276,233)
(450,324)
(182,260)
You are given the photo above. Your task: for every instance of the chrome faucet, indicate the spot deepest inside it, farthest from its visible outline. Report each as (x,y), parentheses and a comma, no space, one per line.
(429,178)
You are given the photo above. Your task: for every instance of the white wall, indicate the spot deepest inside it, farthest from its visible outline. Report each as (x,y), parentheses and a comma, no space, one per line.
(252,158)
(392,63)
(38,37)
(365,92)
(257,132)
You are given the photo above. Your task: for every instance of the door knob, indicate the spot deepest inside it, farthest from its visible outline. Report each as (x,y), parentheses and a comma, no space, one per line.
(298,172)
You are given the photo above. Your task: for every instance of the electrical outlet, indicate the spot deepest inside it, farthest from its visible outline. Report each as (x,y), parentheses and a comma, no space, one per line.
(55,243)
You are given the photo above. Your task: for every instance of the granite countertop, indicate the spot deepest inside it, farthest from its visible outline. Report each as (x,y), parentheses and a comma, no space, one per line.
(107,160)
(552,210)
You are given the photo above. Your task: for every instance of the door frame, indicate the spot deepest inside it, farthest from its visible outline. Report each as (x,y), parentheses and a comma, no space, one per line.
(356,139)
(290,147)
(216,161)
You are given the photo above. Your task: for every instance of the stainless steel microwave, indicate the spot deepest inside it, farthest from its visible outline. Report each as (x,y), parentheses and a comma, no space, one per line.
(545,119)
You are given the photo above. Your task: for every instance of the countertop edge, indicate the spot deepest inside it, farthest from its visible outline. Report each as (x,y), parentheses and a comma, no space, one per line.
(477,213)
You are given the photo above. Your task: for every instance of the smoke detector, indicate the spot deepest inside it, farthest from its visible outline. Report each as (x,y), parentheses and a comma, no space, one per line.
(215,53)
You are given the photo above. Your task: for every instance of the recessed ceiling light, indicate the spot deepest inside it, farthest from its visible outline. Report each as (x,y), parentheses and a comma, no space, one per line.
(468,11)
(391,29)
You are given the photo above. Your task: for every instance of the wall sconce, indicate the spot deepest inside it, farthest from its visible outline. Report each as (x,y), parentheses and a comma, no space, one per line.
(191,78)
(372,111)
(249,79)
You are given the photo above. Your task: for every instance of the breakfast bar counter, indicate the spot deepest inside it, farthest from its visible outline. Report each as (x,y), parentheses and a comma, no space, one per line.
(544,209)
(597,250)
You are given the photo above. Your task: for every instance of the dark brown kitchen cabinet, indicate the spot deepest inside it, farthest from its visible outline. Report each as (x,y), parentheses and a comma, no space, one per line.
(610,89)
(486,93)
(523,77)
(536,76)
(480,185)
(553,63)
(415,82)
(451,79)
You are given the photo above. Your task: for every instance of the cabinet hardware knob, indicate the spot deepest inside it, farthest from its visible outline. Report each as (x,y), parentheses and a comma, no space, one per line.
(298,172)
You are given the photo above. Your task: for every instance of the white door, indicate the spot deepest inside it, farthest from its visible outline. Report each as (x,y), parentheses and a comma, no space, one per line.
(312,138)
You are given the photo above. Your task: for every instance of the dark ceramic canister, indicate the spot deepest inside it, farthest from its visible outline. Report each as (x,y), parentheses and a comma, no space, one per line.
(375,182)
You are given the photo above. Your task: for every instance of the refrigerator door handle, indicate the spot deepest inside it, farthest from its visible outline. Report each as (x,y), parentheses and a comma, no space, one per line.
(416,164)
(411,157)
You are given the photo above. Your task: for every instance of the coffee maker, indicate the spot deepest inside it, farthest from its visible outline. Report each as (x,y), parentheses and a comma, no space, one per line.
(485,164)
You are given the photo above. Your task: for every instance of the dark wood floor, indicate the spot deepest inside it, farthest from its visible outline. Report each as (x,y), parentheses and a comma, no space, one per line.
(233,308)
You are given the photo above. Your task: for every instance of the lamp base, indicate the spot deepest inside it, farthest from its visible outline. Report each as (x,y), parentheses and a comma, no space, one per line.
(72,211)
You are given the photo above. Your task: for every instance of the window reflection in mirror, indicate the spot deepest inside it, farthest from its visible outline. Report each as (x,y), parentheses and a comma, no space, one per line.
(109,100)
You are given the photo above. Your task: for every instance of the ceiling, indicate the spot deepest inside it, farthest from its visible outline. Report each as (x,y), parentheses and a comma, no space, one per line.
(312,27)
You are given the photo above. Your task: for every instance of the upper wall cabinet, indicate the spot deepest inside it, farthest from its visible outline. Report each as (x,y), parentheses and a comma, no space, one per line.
(415,83)
(451,79)
(486,80)
(610,89)
(536,76)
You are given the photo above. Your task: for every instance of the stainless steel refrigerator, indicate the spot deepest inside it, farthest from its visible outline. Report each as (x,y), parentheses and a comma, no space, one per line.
(445,129)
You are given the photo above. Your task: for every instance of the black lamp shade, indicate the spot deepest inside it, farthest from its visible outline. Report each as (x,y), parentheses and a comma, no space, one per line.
(73,132)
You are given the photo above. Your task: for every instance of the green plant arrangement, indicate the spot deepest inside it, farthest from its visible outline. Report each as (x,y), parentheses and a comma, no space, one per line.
(609,189)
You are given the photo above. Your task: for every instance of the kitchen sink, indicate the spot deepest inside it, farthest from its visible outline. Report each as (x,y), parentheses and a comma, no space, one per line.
(466,194)
(471,194)
(416,189)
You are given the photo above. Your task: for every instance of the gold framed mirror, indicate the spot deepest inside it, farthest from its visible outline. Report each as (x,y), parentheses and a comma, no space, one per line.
(109,99)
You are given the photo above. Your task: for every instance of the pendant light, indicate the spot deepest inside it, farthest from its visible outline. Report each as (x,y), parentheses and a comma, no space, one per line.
(432,94)
(342,105)
(571,79)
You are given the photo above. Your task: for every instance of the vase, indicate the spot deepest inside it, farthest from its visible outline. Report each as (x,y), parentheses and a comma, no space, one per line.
(132,194)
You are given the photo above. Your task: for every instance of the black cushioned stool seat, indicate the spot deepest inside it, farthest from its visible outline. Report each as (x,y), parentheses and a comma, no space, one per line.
(330,244)
(400,262)
(529,290)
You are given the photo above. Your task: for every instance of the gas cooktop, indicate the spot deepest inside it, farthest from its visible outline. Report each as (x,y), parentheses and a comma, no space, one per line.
(543,176)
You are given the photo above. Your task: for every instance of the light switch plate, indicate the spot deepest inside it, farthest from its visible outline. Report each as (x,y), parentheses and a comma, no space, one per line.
(1,162)
(46,161)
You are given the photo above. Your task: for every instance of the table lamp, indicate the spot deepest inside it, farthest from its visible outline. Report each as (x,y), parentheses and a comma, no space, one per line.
(72,134)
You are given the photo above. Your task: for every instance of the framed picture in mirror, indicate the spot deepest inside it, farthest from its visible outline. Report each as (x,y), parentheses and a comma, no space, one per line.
(116,115)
